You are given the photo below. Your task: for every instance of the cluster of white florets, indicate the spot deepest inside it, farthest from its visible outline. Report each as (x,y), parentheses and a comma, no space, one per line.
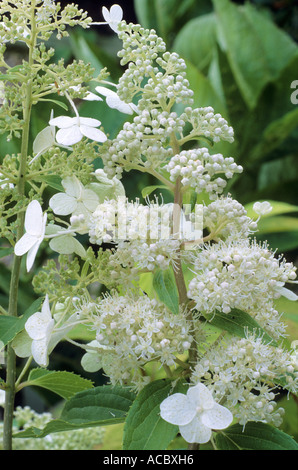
(130,332)
(198,170)
(119,220)
(207,123)
(241,369)
(238,274)
(226,218)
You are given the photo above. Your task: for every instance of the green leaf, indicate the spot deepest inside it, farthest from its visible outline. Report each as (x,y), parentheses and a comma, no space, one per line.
(275,134)
(149,189)
(58,103)
(54,181)
(238,323)
(144,428)
(99,406)
(64,384)
(202,31)
(257,50)
(5,252)
(255,436)
(10,326)
(164,285)
(104,405)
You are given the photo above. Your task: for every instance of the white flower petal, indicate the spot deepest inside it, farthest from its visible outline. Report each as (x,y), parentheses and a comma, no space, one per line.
(195,432)
(90,122)
(199,395)
(69,136)
(39,351)
(72,185)
(31,255)
(63,122)
(37,325)
(94,134)
(63,204)
(106,91)
(290,295)
(120,105)
(34,219)
(218,417)
(90,200)
(116,12)
(24,244)
(44,140)
(177,409)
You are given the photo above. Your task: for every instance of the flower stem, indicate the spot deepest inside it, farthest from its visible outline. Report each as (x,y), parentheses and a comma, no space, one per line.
(16,267)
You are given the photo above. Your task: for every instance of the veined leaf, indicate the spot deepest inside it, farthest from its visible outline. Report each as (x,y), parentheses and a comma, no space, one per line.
(238,323)
(99,406)
(164,285)
(144,428)
(10,326)
(64,384)
(255,436)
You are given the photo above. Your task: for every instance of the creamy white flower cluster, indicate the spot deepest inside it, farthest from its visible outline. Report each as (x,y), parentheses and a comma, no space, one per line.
(118,220)
(207,123)
(133,257)
(238,274)
(225,217)
(198,170)
(145,138)
(242,370)
(130,332)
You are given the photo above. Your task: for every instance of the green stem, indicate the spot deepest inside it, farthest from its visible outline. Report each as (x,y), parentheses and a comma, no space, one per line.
(16,267)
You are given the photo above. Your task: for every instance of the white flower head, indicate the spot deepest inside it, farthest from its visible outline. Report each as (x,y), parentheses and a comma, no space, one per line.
(76,200)
(196,414)
(262,208)
(35,223)
(40,327)
(73,129)
(113,16)
(114,102)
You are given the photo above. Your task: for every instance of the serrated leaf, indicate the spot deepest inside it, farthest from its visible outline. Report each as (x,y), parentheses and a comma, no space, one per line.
(63,383)
(144,428)
(165,287)
(237,323)
(10,326)
(101,404)
(255,436)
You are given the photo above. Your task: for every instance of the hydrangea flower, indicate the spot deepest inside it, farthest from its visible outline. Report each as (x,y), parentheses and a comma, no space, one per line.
(35,223)
(114,102)
(196,414)
(113,16)
(39,327)
(73,129)
(76,200)
(262,208)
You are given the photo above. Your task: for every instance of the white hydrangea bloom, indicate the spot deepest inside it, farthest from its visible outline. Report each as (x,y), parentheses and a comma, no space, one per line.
(40,327)
(131,332)
(35,224)
(262,208)
(242,371)
(199,170)
(76,200)
(196,414)
(73,129)
(114,102)
(113,16)
(238,274)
